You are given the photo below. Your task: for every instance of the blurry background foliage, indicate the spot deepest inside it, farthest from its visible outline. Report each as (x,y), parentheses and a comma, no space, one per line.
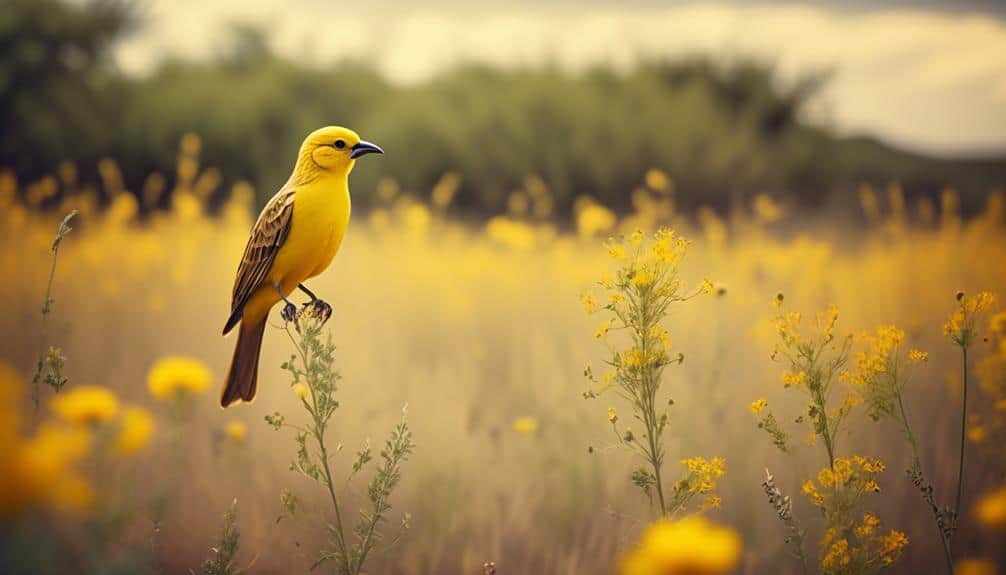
(724,132)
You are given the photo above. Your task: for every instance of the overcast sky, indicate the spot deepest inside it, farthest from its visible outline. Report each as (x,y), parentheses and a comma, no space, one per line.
(920,75)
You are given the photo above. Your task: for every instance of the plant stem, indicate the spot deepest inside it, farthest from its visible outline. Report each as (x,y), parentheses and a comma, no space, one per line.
(44,345)
(964,431)
(320,438)
(655,458)
(917,464)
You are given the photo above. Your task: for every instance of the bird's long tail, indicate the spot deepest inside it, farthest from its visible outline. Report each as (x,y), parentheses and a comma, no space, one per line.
(242,379)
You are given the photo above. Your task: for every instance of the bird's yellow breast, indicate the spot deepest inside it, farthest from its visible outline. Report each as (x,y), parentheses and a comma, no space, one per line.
(320,218)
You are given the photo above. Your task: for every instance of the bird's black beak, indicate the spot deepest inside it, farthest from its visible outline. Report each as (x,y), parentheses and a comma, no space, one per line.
(363,148)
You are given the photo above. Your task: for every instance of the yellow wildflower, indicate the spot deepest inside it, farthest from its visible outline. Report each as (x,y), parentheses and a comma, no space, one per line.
(918,356)
(135,429)
(867,526)
(86,404)
(991,509)
(588,302)
(707,287)
(977,434)
(712,502)
(301,391)
(636,239)
(872,485)
(961,327)
(642,278)
(657,181)
(525,425)
(758,405)
(975,567)
(236,431)
(837,556)
(810,490)
(612,415)
(790,379)
(171,376)
(42,470)
(892,545)
(690,546)
(632,358)
(616,250)
(602,329)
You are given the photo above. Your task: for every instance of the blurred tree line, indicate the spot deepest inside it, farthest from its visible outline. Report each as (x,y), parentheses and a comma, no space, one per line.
(722,132)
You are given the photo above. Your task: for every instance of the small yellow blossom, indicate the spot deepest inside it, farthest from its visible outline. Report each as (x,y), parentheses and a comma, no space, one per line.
(991,510)
(171,376)
(525,425)
(612,415)
(758,405)
(236,431)
(892,546)
(301,391)
(790,379)
(977,434)
(918,356)
(867,526)
(616,250)
(712,502)
(975,567)
(636,239)
(837,557)
(135,429)
(872,485)
(691,546)
(589,303)
(707,287)
(602,329)
(86,404)
(643,278)
(810,490)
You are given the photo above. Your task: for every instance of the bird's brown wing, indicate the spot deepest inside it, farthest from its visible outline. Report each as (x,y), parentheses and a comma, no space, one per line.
(267,236)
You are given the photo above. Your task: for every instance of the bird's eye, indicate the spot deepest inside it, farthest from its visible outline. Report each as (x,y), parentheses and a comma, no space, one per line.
(339,144)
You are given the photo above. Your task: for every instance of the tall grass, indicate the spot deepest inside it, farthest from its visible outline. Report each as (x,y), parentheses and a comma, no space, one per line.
(478,328)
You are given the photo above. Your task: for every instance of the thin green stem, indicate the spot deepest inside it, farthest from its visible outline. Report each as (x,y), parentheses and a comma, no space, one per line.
(964,431)
(335,502)
(917,464)
(44,345)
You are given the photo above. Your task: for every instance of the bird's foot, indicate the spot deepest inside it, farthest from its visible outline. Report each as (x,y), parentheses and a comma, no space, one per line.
(319,310)
(289,313)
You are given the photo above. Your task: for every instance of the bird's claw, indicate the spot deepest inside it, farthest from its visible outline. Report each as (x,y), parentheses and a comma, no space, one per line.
(319,310)
(289,313)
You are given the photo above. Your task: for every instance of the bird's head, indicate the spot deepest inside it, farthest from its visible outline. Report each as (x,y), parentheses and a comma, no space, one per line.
(334,149)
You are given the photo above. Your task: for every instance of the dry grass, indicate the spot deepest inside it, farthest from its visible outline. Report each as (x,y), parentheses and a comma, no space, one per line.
(475,329)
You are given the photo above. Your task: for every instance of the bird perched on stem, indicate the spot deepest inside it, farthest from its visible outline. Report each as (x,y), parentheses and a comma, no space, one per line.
(295,238)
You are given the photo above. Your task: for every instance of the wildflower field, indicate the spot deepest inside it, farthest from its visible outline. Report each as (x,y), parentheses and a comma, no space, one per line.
(518,395)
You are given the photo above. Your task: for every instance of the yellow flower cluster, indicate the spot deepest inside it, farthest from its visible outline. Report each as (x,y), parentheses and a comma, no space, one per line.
(843,483)
(86,404)
(690,546)
(44,468)
(758,405)
(876,359)
(173,377)
(961,326)
(868,552)
(790,379)
(700,480)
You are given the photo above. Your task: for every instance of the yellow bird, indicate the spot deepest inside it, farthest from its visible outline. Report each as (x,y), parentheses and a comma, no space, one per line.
(295,238)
